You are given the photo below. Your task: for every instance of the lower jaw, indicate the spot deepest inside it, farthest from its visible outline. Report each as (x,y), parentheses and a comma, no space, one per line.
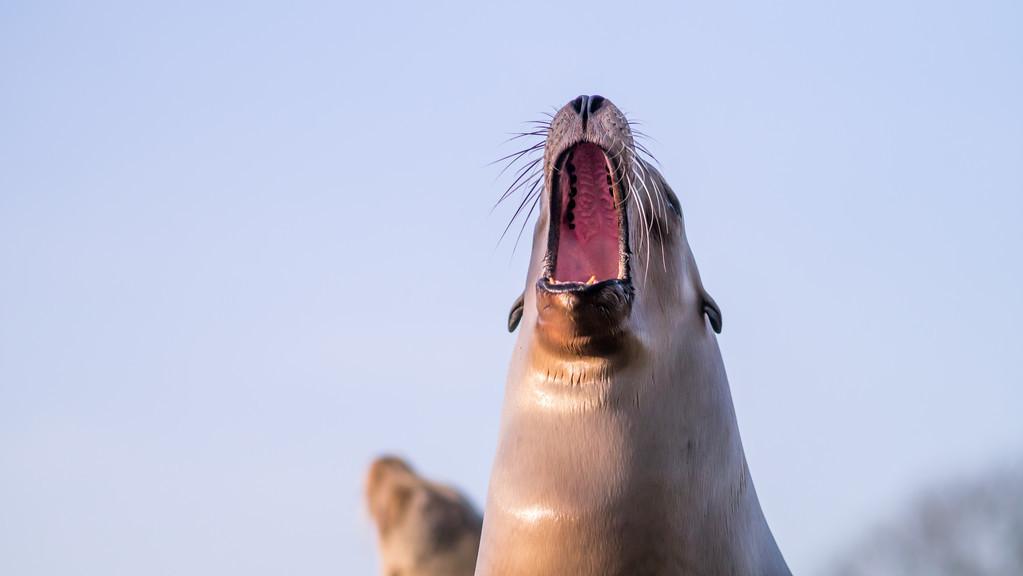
(548,284)
(581,319)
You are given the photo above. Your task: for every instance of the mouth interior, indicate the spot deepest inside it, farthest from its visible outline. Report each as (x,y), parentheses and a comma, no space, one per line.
(589,240)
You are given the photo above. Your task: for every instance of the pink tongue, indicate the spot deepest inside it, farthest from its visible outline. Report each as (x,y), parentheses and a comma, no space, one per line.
(588,233)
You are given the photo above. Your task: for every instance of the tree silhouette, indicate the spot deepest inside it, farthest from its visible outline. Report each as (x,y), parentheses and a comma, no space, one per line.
(962,529)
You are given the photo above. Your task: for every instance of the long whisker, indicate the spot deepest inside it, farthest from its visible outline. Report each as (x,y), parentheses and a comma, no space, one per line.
(661,206)
(518,211)
(643,172)
(646,152)
(521,182)
(617,156)
(517,135)
(527,169)
(519,154)
(645,224)
(521,173)
(525,221)
(641,175)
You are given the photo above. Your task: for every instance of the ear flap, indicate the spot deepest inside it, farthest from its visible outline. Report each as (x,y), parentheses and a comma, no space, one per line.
(710,308)
(515,315)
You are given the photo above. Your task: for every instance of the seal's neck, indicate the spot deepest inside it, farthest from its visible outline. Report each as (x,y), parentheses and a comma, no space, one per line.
(659,419)
(639,461)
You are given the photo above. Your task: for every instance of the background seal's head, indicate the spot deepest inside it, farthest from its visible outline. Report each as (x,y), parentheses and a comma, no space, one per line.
(423,528)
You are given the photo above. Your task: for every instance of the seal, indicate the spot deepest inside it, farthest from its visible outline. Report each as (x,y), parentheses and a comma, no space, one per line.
(423,528)
(619,452)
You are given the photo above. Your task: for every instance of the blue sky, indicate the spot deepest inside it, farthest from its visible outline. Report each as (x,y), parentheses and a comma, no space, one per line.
(244,248)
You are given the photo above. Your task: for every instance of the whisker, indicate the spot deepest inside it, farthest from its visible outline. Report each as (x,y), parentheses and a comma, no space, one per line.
(524,155)
(660,207)
(644,236)
(518,211)
(524,178)
(519,154)
(527,163)
(526,166)
(517,135)
(646,152)
(525,221)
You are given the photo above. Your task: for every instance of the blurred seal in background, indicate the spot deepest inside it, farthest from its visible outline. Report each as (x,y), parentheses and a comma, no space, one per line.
(423,528)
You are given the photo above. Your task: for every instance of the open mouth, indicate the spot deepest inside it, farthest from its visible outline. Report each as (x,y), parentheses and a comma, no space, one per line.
(586,244)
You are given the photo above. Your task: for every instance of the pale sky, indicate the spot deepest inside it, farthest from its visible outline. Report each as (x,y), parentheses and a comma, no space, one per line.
(244,248)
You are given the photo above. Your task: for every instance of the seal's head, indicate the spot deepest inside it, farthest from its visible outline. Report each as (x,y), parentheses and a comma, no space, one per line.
(424,529)
(610,257)
(619,453)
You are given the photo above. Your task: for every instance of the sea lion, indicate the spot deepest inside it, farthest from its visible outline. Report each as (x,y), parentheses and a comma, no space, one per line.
(423,528)
(619,452)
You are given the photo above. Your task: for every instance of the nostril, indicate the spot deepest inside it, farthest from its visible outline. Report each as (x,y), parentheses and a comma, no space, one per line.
(579,104)
(595,103)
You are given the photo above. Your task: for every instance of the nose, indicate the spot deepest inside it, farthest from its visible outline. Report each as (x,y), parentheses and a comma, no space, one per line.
(584,106)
